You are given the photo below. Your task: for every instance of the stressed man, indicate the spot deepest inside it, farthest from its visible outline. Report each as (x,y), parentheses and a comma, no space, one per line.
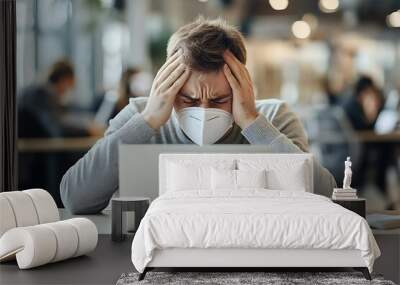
(203,94)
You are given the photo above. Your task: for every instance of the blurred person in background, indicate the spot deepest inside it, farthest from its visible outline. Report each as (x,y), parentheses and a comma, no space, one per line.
(362,110)
(40,108)
(124,89)
(41,114)
(341,74)
(133,83)
(364,106)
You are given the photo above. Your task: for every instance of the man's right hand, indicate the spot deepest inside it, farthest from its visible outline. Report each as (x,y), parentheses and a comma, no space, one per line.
(169,80)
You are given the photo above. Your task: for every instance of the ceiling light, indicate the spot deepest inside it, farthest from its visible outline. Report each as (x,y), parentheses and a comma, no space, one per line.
(393,19)
(279,4)
(328,6)
(301,29)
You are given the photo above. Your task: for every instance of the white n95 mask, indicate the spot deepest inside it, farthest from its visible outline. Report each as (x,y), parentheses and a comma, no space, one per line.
(204,125)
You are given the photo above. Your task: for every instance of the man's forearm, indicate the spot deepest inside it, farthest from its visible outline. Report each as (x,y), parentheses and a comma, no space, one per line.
(263,132)
(89,184)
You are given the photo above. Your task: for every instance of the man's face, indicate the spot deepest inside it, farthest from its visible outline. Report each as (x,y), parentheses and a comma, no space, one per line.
(371,103)
(66,85)
(206,90)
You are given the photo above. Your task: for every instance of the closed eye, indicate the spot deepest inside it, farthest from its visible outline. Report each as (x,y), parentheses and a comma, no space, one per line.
(221,100)
(189,101)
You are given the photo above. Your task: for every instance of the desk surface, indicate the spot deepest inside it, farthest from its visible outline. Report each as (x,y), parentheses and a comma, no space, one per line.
(371,136)
(103,266)
(56,144)
(360,136)
(83,144)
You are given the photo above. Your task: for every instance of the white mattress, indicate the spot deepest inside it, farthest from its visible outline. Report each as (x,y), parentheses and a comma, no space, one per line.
(253,218)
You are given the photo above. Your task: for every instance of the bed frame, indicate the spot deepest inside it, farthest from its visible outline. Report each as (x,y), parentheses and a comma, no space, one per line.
(260,259)
(248,259)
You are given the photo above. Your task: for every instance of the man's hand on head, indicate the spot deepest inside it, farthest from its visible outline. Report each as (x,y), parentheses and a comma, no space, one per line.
(169,80)
(243,105)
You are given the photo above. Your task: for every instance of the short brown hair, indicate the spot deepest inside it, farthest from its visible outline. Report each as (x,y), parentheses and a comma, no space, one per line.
(61,69)
(204,41)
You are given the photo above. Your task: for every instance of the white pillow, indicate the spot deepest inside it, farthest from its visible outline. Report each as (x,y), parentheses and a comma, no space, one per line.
(251,178)
(223,179)
(284,174)
(294,181)
(237,179)
(184,175)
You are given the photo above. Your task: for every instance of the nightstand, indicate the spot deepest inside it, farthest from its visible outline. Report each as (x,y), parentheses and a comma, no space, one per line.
(356,205)
(139,205)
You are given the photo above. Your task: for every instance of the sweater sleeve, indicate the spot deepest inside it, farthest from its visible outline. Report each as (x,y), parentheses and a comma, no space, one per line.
(88,185)
(292,139)
(261,131)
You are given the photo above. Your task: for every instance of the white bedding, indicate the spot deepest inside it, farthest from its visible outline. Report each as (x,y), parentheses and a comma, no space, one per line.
(251,218)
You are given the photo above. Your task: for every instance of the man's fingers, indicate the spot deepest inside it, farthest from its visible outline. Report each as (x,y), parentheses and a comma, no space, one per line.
(237,68)
(169,61)
(231,79)
(173,60)
(168,70)
(229,54)
(233,65)
(174,56)
(178,84)
(177,52)
(172,77)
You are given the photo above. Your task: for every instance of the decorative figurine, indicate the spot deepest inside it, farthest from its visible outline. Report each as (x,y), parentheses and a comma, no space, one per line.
(345,193)
(347,174)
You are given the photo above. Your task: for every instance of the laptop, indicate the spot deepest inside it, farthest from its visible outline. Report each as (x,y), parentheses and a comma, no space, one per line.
(138,164)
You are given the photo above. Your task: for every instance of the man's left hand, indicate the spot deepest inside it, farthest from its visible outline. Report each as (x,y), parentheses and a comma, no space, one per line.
(243,105)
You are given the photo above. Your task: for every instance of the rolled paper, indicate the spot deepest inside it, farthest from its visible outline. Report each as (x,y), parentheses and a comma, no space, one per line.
(23,208)
(45,206)
(7,218)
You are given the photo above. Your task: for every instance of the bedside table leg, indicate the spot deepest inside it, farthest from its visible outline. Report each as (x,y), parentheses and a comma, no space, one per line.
(116,227)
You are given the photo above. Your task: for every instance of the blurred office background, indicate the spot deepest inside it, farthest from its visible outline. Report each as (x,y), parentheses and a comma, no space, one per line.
(336,62)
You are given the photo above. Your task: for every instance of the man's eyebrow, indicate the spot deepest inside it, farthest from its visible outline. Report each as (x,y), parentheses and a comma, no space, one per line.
(214,97)
(188,96)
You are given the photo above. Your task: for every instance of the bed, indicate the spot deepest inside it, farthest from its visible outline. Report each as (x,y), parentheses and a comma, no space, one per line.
(245,211)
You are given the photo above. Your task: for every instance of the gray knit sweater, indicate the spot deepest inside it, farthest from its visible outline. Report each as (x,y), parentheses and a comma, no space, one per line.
(89,184)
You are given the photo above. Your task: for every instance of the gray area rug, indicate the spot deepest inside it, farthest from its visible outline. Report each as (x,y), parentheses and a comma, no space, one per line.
(273,278)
